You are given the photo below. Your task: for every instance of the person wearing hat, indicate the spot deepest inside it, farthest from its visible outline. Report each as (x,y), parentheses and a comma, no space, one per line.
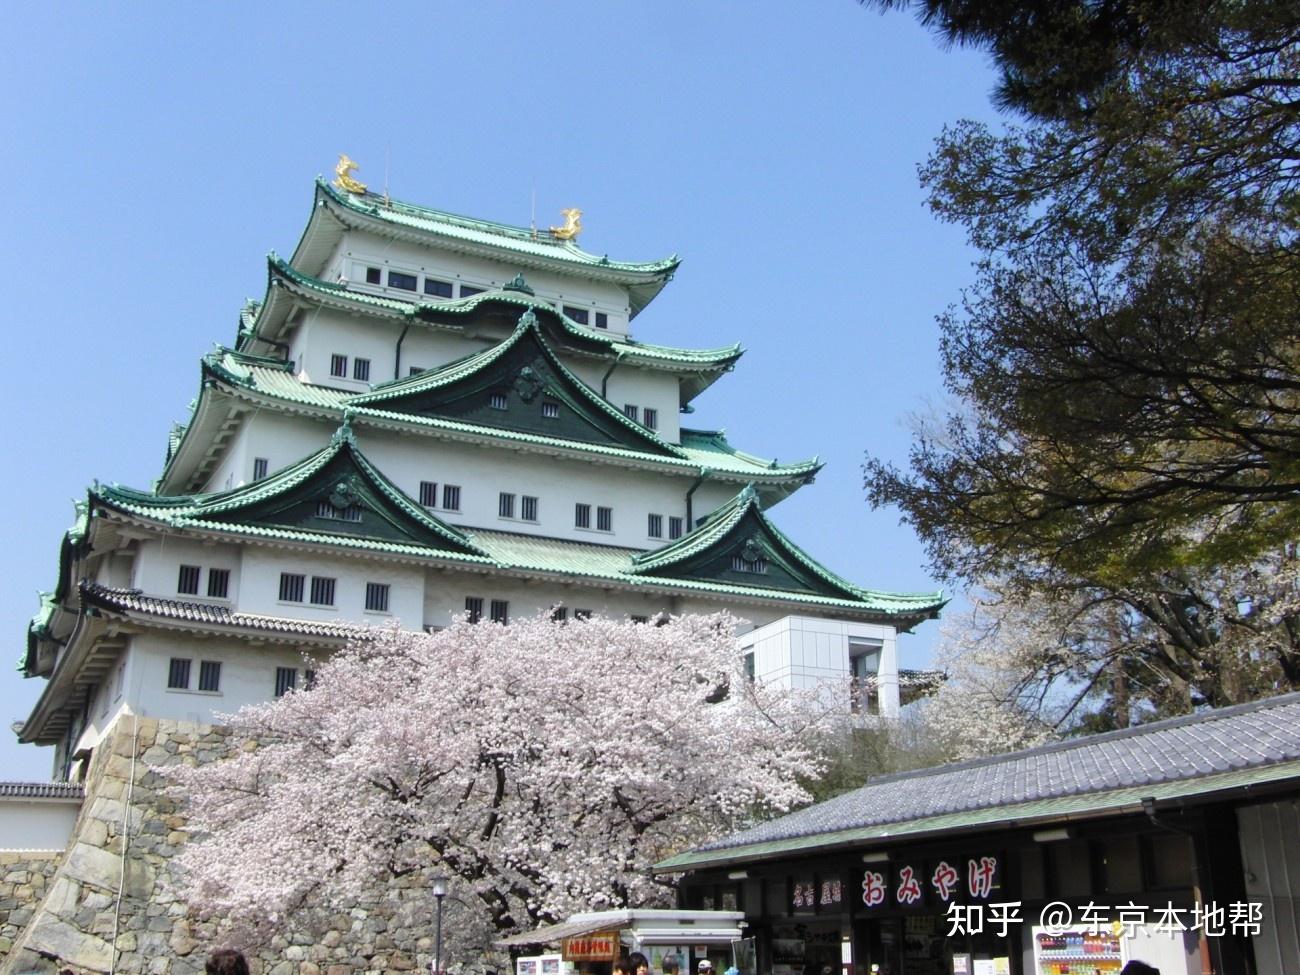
(705,967)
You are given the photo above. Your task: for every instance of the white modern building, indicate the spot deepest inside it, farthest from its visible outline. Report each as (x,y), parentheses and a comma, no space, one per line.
(430,415)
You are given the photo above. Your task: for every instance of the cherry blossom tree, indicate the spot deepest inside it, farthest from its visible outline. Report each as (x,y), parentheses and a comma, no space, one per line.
(544,766)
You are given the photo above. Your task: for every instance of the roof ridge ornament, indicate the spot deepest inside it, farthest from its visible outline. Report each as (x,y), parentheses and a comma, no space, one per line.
(344,434)
(517,283)
(343,175)
(572,225)
(527,320)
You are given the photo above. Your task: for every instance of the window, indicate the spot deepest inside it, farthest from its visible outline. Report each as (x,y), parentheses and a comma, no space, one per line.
(602,320)
(308,679)
(260,466)
(655,526)
(188,582)
(579,315)
(377,597)
(674,526)
(178,674)
(322,591)
(604,519)
(286,679)
(582,614)
(429,494)
(498,401)
(505,505)
(560,614)
(528,508)
(432,286)
(640,619)
(550,410)
(631,412)
(749,666)
(741,564)
(291,587)
(339,366)
(467,290)
(326,510)
(474,608)
(451,497)
(500,611)
(415,370)
(210,675)
(361,369)
(373,276)
(218,583)
(650,417)
(396,279)
(581,515)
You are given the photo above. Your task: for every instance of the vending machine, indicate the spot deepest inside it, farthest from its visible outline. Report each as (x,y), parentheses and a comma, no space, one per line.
(1079,951)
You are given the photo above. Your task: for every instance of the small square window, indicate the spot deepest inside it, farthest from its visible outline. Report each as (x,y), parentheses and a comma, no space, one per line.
(550,410)
(210,675)
(467,290)
(640,619)
(631,412)
(674,526)
(650,417)
(188,581)
(432,286)
(559,614)
(604,519)
(406,282)
(260,467)
(429,494)
(602,320)
(377,597)
(655,526)
(218,583)
(474,608)
(579,315)
(322,591)
(500,611)
(451,497)
(286,679)
(498,401)
(581,515)
(582,614)
(528,508)
(339,366)
(361,369)
(373,276)
(178,674)
(291,587)
(505,505)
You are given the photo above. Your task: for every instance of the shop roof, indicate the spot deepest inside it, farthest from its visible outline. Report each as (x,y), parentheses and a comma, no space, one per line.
(1195,755)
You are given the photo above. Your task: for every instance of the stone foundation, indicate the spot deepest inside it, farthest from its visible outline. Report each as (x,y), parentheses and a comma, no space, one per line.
(91,910)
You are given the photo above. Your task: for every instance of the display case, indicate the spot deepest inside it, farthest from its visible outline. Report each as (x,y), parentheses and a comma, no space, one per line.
(1080,951)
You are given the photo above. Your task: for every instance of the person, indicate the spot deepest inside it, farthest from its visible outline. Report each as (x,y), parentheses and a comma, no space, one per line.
(670,964)
(623,967)
(639,962)
(705,967)
(1139,968)
(226,961)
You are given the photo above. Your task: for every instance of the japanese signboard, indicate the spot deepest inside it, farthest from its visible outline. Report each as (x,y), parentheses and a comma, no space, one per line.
(601,946)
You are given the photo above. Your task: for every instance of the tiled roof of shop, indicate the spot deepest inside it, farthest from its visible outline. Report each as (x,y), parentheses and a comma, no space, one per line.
(41,790)
(1230,745)
(135,601)
(698,448)
(522,240)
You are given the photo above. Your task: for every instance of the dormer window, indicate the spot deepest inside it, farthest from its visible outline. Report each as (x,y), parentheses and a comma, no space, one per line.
(432,286)
(579,315)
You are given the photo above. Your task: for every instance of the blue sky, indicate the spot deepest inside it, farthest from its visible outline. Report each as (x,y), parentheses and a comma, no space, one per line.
(158,152)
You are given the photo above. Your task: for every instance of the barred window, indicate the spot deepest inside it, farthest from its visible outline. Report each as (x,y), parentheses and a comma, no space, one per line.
(451,497)
(218,583)
(560,614)
(361,369)
(506,505)
(650,418)
(210,675)
(655,526)
(741,564)
(291,587)
(500,611)
(326,510)
(604,519)
(674,526)
(640,619)
(339,366)
(178,674)
(631,411)
(498,401)
(474,608)
(322,591)
(260,467)
(429,494)
(286,679)
(308,679)
(377,597)
(528,508)
(550,410)
(582,614)
(188,581)
(581,515)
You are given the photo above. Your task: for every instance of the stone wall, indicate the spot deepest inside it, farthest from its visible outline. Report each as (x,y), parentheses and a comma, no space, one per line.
(93,910)
(23,880)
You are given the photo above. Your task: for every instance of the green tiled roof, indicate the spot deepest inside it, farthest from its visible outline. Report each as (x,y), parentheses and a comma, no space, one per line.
(518,240)
(280,274)
(699,451)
